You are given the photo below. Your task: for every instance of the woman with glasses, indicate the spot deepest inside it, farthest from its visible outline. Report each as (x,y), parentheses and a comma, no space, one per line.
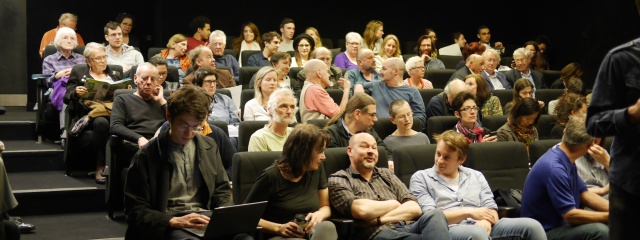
(348,58)
(415,68)
(521,123)
(390,48)
(96,68)
(125,20)
(467,112)
(303,45)
(401,115)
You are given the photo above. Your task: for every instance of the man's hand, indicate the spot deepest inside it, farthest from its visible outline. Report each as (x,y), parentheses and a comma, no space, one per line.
(499,45)
(425,57)
(191,220)
(142,141)
(486,225)
(483,214)
(159,96)
(344,81)
(541,103)
(599,154)
(290,230)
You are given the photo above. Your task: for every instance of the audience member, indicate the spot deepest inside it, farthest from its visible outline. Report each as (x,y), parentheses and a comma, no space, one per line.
(489,105)
(467,112)
(473,64)
(392,87)
(532,46)
(176,54)
(222,108)
(249,39)
(465,197)
(303,45)
(335,73)
(365,72)
(467,50)
(271,42)
(163,71)
(347,59)
(522,89)
(568,104)
(455,49)
(359,116)
(96,56)
(200,26)
(432,34)
(9,202)
(202,56)
(117,53)
(496,79)
(416,68)
(521,122)
(401,115)
(281,62)
(296,184)
(543,45)
(380,204)
(217,44)
(157,201)
(522,57)
(282,109)
(372,36)
(571,70)
(484,37)
(313,32)
(315,101)
(266,83)
(287,30)
(593,168)
(423,49)
(440,105)
(69,20)
(573,85)
(125,20)
(390,48)
(59,66)
(554,193)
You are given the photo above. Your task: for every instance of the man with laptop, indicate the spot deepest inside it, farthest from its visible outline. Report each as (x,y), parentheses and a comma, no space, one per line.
(177,178)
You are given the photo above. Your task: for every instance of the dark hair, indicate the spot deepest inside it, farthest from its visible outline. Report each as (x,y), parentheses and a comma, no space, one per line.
(279,56)
(573,69)
(296,41)
(304,140)
(237,42)
(518,86)
(482,27)
(158,61)
(459,100)
(111,25)
(420,39)
(190,100)
(525,107)
(121,16)
(534,61)
(202,73)
(568,103)
(286,21)
(268,36)
(198,22)
(483,92)
(455,36)
(357,101)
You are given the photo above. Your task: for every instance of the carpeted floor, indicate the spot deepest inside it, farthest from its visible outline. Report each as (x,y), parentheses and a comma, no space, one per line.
(79,226)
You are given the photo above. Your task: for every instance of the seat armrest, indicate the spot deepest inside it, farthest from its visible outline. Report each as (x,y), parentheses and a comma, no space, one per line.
(258,234)
(344,227)
(506,211)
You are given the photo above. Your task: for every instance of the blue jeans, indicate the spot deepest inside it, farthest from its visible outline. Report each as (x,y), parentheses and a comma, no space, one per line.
(589,231)
(505,228)
(431,225)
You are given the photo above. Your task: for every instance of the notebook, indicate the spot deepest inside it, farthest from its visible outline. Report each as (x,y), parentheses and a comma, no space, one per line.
(231,220)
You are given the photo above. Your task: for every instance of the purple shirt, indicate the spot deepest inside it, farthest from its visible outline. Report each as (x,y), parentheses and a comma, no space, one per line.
(57,62)
(342,61)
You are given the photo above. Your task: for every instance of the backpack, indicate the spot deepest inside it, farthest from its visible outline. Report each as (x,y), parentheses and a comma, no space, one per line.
(509,198)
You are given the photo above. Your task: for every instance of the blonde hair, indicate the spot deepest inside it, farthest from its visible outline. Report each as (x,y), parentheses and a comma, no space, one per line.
(176,38)
(256,85)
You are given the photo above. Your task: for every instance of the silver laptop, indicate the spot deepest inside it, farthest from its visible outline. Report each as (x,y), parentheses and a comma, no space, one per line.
(229,221)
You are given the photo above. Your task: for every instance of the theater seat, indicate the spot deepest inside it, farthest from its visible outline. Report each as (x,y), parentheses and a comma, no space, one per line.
(409,159)
(439,124)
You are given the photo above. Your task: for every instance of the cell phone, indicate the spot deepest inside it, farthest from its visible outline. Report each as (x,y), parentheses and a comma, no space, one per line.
(493,133)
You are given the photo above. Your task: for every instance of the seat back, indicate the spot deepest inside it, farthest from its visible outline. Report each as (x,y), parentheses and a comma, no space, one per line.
(408,47)
(231,52)
(539,148)
(427,94)
(409,159)
(384,127)
(327,42)
(550,76)
(224,91)
(246,54)
(439,77)
(334,53)
(321,123)
(246,73)
(546,95)
(503,164)
(222,125)
(293,76)
(246,167)
(450,61)
(342,44)
(506,60)
(51,49)
(152,51)
(335,94)
(494,122)
(505,95)
(544,126)
(245,130)
(245,96)
(439,124)
(172,76)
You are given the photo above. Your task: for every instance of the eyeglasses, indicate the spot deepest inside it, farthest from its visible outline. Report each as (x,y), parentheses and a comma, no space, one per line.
(404,116)
(304,45)
(520,60)
(100,59)
(163,74)
(185,127)
(464,109)
(127,24)
(353,43)
(422,68)
(209,82)
(370,114)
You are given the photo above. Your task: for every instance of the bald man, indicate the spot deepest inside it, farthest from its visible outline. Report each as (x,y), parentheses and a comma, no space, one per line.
(315,102)
(473,64)
(440,105)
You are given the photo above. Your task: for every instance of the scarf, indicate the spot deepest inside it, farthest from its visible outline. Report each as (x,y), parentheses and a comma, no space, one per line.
(473,135)
(524,134)
(185,63)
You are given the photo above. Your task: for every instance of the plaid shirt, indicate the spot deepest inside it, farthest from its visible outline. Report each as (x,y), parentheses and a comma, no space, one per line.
(347,185)
(57,62)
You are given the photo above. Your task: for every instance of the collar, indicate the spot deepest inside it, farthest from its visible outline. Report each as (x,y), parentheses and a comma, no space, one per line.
(563,158)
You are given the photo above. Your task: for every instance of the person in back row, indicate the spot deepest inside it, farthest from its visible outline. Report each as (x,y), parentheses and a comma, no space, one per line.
(282,110)
(315,101)
(440,105)
(117,52)
(465,197)
(69,20)
(178,176)
(335,73)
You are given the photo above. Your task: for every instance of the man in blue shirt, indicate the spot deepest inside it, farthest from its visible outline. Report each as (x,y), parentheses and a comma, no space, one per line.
(554,193)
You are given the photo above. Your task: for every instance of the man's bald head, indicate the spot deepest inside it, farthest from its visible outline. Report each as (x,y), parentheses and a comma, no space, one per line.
(454,87)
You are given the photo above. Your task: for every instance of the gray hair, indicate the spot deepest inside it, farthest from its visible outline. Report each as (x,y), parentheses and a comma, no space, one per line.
(319,50)
(92,46)
(491,50)
(352,36)
(62,32)
(575,134)
(522,52)
(194,54)
(414,62)
(275,97)
(217,33)
(146,64)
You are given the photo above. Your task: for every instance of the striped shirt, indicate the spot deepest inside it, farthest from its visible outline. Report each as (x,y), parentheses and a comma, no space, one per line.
(57,62)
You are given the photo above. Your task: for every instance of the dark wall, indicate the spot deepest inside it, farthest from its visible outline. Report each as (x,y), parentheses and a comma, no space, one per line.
(12,58)
(582,33)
